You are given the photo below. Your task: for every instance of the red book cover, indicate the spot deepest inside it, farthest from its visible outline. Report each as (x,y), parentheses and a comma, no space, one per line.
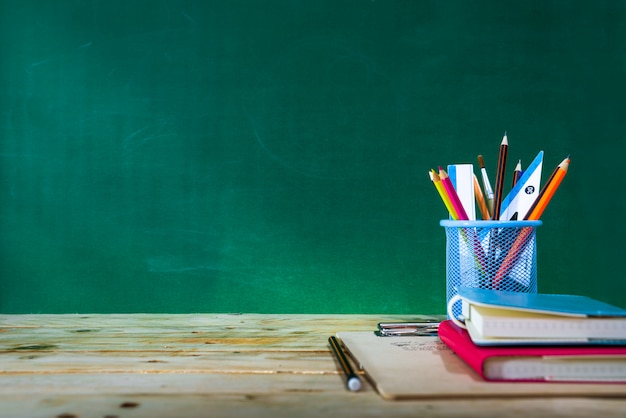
(564,363)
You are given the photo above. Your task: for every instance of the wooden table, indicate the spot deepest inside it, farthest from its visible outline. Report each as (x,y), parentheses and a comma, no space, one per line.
(221,365)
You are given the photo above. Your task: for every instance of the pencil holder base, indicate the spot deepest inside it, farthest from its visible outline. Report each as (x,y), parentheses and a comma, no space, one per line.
(497,255)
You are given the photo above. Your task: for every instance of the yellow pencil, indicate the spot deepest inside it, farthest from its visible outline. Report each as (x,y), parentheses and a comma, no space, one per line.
(480,199)
(434,177)
(454,197)
(548,191)
(479,256)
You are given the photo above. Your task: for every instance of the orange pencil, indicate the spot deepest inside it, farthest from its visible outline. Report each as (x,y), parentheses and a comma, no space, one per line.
(480,199)
(535,212)
(444,196)
(512,256)
(545,195)
(497,200)
(454,197)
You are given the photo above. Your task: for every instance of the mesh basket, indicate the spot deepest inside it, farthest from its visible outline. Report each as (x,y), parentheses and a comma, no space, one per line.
(499,255)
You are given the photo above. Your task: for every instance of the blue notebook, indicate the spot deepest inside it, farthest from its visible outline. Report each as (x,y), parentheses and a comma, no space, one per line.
(572,305)
(503,318)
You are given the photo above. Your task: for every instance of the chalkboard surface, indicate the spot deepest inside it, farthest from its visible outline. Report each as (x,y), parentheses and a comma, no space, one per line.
(272,156)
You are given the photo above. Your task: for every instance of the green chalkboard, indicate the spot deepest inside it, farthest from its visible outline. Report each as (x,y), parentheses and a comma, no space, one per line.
(272,156)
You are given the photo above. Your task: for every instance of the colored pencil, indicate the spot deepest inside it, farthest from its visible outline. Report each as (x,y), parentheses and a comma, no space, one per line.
(497,199)
(535,213)
(454,197)
(548,190)
(512,256)
(434,177)
(479,252)
(480,199)
(486,184)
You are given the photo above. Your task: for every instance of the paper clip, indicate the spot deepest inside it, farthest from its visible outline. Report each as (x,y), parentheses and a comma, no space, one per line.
(407,329)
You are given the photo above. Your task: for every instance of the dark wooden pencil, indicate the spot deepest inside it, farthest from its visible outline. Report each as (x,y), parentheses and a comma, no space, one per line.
(504,148)
(517,173)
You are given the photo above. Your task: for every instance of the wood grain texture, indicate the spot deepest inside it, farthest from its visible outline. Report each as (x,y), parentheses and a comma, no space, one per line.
(213,365)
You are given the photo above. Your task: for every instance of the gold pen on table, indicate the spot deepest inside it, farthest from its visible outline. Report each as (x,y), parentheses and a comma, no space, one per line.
(353,382)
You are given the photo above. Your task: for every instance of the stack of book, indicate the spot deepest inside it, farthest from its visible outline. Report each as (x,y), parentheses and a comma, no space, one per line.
(514,336)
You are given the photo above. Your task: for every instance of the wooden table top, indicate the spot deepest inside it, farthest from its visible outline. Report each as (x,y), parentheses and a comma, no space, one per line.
(214,365)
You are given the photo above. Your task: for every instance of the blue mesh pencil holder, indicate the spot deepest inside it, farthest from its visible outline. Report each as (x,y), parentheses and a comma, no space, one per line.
(498,255)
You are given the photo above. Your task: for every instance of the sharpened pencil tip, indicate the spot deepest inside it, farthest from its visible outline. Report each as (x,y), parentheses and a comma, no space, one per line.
(566,161)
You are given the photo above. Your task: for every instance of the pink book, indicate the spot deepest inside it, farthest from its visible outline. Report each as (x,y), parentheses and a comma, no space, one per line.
(547,363)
